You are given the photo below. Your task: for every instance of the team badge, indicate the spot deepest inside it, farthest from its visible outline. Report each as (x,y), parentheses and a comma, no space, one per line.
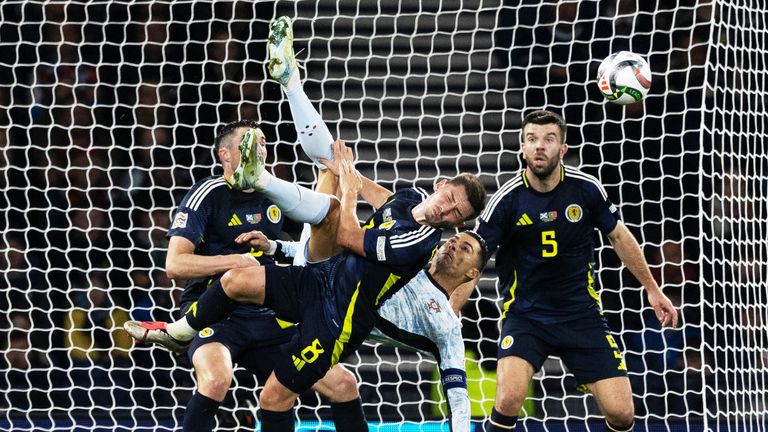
(548,216)
(273,214)
(387,225)
(434,305)
(253,219)
(573,213)
(206,332)
(180,221)
(507,342)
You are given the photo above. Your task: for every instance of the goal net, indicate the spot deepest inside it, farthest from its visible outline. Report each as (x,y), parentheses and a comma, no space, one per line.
(107,116)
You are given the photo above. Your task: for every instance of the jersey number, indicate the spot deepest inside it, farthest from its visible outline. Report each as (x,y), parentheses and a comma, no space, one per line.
(549,244)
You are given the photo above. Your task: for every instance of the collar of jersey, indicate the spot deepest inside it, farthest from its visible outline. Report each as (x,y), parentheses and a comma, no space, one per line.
(528,185)
(437,285)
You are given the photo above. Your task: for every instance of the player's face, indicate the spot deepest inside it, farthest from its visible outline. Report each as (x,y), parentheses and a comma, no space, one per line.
(448,207)
(543,148)
(458,255)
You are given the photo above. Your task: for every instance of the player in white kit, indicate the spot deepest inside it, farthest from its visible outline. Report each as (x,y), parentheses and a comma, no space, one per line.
(420,317)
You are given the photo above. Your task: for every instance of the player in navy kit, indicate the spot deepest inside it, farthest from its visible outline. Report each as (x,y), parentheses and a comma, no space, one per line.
(353,269)
(202,247)
(543,223)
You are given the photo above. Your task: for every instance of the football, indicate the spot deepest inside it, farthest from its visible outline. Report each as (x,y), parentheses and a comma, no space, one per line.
(624,78)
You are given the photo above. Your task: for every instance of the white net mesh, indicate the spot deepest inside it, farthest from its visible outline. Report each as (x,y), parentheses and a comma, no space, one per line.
(108,115)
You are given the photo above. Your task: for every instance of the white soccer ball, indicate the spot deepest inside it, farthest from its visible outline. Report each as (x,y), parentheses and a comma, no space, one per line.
(624,78)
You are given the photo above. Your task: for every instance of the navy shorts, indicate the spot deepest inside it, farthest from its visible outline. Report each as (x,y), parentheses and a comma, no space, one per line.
(586,346)
(253,341)
(303,295)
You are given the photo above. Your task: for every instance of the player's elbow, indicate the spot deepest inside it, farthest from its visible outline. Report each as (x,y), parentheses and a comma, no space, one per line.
(173,270)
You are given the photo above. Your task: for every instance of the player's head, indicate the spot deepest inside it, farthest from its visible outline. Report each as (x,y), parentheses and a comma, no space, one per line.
(463,256)
(454,201)
(227,142)
(543,142)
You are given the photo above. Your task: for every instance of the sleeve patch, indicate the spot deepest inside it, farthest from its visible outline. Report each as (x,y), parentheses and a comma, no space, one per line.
(180,221)
(453,378)
(381,250)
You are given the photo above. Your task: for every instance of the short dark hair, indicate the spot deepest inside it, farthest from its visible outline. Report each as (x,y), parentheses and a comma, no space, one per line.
(476,194)
(543,117)
(229,128)
(483,257)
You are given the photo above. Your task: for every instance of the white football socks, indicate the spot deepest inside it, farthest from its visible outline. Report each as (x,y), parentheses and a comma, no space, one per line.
(180,330)
(297,202)
(314,136)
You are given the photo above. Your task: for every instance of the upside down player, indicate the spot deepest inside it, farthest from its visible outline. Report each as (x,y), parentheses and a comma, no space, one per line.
(201,248)
(543,223)
(419,316)
(334,299)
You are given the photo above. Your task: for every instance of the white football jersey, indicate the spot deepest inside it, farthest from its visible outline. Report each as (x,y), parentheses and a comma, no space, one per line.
(419,317)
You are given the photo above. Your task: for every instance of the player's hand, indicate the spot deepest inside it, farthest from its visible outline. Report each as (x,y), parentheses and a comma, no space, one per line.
(350,181)
(663,307)
(255,239)
(340,153)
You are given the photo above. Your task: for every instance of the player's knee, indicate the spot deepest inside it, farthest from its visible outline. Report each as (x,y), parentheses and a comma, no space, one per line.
(509,403)
(240,284)
(620,420)
(273,400)
(214,383)
(345,387)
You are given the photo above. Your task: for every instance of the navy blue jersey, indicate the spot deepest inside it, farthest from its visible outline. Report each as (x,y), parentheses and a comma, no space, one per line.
(396,249)
(211,216)
(546,244)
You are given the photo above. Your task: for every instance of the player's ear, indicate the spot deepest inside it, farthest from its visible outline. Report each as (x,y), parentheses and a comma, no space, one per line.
(563,150)
(440,184)
(223,154)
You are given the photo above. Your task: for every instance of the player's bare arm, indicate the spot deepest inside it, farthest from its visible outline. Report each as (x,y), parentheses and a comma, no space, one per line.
(627,248)
(373,193)
(182,263)
(350,235)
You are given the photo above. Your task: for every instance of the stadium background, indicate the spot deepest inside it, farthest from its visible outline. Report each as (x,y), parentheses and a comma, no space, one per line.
(109,110)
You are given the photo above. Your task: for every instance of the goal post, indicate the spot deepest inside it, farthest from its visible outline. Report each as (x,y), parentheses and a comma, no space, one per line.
(108,112)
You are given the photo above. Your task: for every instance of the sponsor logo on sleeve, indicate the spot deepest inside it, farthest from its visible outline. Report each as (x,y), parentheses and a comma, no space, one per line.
(180,221)
(573,213)
(450,379)
(381,250)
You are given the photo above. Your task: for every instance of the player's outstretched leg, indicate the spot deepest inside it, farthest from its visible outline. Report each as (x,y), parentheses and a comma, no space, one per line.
(314,136)
(296,202)
(154,332)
